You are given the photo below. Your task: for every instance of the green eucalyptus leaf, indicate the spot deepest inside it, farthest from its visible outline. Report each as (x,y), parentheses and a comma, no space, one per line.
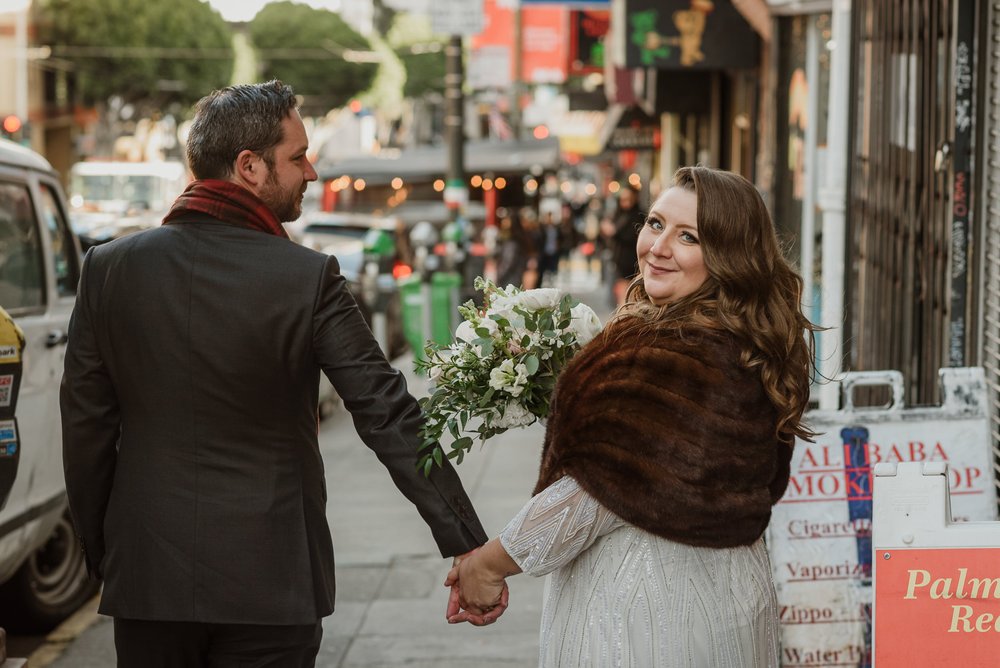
(531,364)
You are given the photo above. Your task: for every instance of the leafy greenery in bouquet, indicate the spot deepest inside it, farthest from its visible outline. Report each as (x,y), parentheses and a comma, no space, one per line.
(501,369)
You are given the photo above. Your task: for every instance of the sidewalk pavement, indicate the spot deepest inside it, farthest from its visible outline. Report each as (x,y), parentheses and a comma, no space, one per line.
(390,594)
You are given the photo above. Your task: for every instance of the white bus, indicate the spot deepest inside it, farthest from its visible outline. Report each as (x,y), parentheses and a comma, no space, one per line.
(111,199)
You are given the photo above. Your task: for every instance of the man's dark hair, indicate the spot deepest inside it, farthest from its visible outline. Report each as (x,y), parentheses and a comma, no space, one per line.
(234,119)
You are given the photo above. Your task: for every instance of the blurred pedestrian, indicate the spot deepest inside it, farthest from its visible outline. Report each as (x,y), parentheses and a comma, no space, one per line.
(532,232)
(622,233)
(189,406)
(512,251)
(549,247)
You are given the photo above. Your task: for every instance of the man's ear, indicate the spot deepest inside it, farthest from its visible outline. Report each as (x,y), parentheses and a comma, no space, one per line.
(249,168)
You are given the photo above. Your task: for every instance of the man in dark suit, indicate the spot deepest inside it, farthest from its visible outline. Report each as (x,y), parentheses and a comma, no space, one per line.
(189,405)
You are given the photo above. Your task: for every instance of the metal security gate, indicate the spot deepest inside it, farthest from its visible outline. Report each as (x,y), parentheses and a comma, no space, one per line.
(989,213)
(901,180)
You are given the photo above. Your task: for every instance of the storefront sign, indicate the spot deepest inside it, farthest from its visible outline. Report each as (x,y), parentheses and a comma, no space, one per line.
(644,137)
(456,17)
(686,34)
(951,594)
(545,45)
(820,536)
(937,582)
(587,31)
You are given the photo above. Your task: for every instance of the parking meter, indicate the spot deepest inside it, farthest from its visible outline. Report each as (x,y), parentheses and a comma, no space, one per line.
(11,347)
(423,236)
(377,283)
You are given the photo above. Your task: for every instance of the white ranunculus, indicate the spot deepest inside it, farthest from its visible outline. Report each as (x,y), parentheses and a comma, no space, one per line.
(514,415)
(585,324)
(509,377)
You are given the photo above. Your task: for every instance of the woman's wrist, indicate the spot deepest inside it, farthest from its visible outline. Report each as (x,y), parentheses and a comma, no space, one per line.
(497,562)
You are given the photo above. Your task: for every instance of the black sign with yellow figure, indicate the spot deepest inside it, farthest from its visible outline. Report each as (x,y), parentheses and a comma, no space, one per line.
(11,347)
(688,35)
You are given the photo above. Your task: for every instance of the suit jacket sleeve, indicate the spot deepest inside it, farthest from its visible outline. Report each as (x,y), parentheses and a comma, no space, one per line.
(386,416)
(91,424)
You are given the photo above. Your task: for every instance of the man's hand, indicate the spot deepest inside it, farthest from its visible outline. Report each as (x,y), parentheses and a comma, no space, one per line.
(478,617)
(479,592)
(456,615)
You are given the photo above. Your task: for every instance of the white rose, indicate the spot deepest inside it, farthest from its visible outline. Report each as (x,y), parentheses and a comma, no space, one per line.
(585,324)
(504,307)
(539,298)
(465,332)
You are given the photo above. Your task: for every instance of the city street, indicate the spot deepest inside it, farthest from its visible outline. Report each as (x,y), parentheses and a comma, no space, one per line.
(390,594)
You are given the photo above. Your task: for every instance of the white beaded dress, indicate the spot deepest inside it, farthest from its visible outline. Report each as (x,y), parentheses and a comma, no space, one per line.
(622,597)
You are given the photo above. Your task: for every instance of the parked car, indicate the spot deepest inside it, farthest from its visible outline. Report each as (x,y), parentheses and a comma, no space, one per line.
(42,570)
(344,235)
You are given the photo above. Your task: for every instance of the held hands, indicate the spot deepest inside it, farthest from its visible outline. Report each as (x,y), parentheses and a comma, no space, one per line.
(479,595)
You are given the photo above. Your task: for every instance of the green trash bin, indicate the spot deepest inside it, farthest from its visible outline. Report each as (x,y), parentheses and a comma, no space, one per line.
(411,298)
(444,306)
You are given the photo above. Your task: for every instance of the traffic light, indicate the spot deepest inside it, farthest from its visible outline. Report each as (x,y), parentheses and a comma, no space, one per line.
(11,126)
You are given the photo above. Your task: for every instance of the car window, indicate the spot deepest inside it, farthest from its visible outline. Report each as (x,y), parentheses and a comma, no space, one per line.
(336,231)
(22,273)
(63,250)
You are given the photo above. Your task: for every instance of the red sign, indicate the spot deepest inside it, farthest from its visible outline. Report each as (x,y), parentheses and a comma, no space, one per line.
(545,44)
(545,41)
(937,607)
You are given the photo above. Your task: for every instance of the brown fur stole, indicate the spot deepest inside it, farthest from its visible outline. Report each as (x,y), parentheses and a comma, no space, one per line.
(671,434)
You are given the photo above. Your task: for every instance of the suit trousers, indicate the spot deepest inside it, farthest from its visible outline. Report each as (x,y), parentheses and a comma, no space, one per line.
(154,644)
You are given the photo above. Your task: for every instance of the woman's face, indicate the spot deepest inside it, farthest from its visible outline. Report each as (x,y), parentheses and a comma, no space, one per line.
(669,252)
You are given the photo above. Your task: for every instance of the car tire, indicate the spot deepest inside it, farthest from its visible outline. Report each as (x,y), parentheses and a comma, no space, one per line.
(51,584)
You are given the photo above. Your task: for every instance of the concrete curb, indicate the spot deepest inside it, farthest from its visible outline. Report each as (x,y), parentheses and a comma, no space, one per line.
(63,635)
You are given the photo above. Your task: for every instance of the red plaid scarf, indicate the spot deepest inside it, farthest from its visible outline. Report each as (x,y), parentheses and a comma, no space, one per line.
(227,202)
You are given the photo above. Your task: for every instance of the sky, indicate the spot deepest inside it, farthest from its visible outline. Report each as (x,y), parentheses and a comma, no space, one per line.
(244,10)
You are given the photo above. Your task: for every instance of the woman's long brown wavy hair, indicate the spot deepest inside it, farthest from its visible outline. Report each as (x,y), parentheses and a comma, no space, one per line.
(751,292)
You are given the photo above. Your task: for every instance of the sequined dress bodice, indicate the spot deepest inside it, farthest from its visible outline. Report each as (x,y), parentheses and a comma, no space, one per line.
(620,596)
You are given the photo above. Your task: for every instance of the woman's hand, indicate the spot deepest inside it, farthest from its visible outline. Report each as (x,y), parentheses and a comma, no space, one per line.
(479,588)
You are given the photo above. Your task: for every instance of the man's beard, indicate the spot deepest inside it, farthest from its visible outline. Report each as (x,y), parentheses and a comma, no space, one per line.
(284,205)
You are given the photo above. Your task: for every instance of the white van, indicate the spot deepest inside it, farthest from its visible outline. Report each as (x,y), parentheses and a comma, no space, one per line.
(111,199)
(41,565)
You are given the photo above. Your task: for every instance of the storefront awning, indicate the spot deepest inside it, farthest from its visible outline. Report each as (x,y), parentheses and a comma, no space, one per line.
(429,162)
(757,15)
(580,131)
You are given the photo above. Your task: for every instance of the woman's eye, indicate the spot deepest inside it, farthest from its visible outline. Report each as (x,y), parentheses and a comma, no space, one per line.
(688,237)
(654,224)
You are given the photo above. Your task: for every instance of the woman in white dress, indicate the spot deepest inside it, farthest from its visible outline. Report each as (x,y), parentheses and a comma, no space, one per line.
(669,441)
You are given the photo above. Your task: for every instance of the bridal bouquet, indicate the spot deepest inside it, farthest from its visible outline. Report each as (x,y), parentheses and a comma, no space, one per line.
(502,366)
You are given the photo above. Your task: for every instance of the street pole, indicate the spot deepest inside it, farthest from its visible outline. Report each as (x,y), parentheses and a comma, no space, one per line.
(455,193)
(515,89)
(833,205)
